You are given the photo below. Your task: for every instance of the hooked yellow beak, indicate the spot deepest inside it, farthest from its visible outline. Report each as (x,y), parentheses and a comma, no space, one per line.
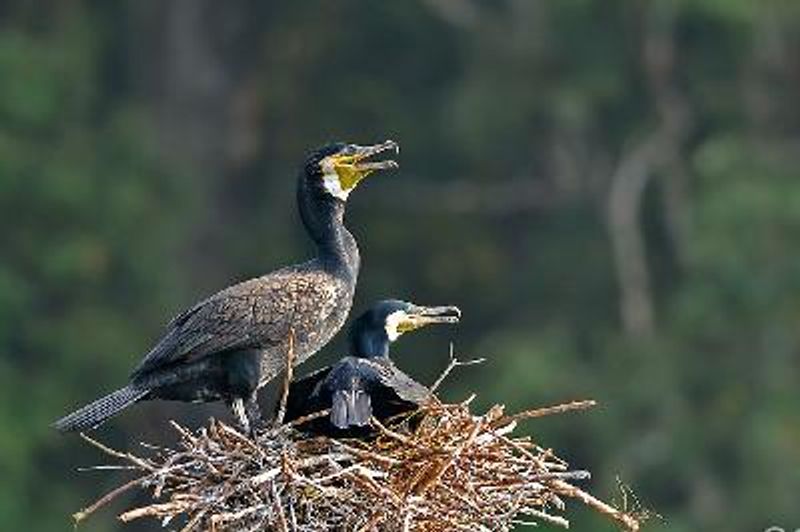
(418,316)
(352,167)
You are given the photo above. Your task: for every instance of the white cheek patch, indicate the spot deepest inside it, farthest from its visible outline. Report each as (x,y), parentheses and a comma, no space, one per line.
(331,181)
(393,320)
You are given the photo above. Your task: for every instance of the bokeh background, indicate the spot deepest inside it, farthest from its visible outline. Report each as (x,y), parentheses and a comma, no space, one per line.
(608,189)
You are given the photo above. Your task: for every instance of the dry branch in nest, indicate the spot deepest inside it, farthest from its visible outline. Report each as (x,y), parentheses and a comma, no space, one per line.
(453,471)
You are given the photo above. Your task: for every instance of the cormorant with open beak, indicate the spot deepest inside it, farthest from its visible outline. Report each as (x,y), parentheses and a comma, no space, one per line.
(231,344)
(367,383)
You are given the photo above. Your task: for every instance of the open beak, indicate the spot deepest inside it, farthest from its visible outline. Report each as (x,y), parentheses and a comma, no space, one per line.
(352,164)
(418,316)
(359,155)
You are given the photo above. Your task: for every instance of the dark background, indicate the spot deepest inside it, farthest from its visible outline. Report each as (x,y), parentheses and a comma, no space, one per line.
(608,189)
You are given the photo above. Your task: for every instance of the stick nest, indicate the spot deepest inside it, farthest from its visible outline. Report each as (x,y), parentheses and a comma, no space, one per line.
(453,471)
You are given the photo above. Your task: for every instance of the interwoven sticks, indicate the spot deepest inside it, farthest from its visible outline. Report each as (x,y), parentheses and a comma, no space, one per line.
(454,471)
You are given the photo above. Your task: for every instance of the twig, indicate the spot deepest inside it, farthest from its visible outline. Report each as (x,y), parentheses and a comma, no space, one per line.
(552,519)
(441,467)
(279,508)
(453,363)
(287,381)
(153,510)
(569,490)
(546,411)
(374,421)
(116,454)
(105,499)
(193,522)
(304,419)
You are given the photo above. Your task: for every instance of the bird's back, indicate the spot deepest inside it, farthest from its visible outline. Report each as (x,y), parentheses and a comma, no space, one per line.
(305,302)
(390,391)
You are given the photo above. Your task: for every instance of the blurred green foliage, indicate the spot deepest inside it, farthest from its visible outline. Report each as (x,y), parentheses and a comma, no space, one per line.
(85,199)
(147,158)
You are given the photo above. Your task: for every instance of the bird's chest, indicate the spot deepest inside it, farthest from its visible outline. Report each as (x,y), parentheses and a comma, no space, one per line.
(311,337)
(312,324)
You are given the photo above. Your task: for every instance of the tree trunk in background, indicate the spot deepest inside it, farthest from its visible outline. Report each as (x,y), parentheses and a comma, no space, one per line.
(624,205)
(194,57)
(661,150)
(195,60)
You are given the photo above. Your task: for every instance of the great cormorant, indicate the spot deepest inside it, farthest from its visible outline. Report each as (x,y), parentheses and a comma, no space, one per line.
(229,345)
(366,383)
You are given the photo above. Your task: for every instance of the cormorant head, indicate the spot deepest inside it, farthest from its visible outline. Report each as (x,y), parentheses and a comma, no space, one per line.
(386,321)
(336,169)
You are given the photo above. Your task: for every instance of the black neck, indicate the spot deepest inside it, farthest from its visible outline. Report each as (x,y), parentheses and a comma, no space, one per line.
(369,343)
(323,217)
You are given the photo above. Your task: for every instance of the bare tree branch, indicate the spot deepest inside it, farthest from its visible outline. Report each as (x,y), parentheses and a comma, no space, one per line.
(636,170)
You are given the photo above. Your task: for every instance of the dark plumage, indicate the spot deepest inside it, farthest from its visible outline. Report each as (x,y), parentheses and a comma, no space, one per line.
(232,343)
(366,383)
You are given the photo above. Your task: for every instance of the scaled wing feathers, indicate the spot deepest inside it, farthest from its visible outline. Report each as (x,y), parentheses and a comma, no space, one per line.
(256,313)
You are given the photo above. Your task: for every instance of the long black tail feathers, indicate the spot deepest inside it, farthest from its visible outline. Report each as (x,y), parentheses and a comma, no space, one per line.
(96,413)
(350,408)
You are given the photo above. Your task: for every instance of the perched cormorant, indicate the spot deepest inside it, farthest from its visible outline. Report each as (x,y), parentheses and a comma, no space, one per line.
(229,345)
(367,382)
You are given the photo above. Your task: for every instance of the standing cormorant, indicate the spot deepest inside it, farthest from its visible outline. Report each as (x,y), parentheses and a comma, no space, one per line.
(227,346)
(366,383)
